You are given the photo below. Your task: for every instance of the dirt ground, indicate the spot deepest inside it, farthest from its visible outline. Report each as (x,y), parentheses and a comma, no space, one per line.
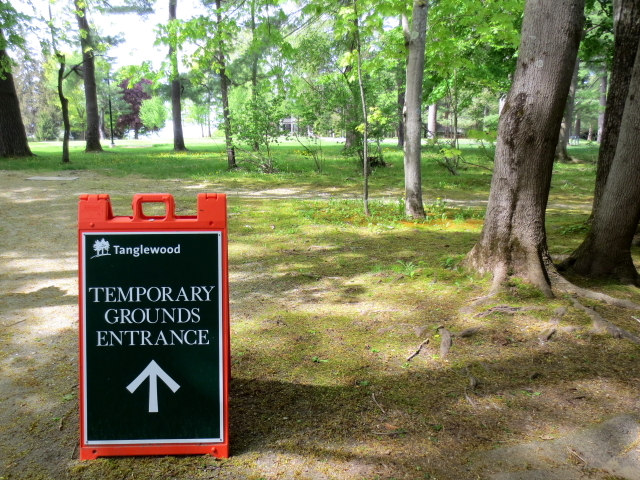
(39,385)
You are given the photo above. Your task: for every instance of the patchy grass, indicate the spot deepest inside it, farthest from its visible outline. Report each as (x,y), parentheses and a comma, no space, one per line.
(326,307)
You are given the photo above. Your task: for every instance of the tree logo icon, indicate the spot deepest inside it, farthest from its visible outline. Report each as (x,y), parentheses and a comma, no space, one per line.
(101,247)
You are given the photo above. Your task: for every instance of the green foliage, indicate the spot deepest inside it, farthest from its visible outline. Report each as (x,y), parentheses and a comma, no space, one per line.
(574,229)
(153,113)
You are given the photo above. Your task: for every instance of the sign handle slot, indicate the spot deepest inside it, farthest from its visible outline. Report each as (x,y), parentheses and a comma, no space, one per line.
(139,199)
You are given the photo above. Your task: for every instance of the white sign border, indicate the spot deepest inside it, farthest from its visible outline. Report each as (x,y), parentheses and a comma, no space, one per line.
(85,423)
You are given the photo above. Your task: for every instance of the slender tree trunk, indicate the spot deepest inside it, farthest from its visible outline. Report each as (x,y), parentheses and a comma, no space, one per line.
(224,91)
(176,88)
(576,127)
(363,102)
(567,122)
(401,81)
(432,124)
(607,247)
(513,238)
(400,127)
(64,104)
(590,134)
(603,103)
(413,109)
(627,33)
(254,62)
(351,116)
(13,137)
(92,133)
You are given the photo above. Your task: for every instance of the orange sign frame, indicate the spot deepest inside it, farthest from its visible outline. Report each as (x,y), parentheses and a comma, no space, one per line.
(95,215)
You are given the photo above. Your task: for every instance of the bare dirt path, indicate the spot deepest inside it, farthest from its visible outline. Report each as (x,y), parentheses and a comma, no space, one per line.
(38,365)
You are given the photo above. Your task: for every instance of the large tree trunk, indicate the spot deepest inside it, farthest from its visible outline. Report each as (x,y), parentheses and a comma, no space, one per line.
(13,137)
(176,88)
(607,248)
(627,34)
(92,134)
(513,239)
(603,104)
(567,122)
(412,111)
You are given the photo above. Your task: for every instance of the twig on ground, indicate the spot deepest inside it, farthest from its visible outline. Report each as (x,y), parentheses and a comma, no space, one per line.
(417,352)
(373,395)
(575,454)
(635,318)
(12,324)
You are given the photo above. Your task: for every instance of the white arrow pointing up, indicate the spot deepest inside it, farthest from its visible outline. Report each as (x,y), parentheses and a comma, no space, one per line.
(153,371)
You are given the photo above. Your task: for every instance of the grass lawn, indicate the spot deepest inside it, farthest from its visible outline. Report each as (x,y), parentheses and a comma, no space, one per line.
(327,306)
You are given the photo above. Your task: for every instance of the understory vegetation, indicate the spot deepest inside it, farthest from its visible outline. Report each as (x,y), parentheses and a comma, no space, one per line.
(358,350)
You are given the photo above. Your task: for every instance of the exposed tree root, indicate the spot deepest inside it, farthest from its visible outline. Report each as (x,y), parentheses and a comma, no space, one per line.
(445,341)
(599,323)
(546,335)
(563,285)
(602,325)
(467,332)
(506,309)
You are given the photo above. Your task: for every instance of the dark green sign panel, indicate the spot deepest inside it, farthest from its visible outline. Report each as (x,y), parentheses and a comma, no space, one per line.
(152,341)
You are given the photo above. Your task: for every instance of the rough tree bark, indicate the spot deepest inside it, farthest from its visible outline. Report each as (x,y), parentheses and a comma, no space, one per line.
(627,34)
(92,133)
(412,111)
(176,88)
(13,137)
(607,248)
(513,238)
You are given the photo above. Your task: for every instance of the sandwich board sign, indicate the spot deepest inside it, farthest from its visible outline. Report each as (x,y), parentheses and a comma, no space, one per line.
(154,328)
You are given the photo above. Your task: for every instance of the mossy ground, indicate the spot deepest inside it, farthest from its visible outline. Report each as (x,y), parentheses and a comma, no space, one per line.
(326,307)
